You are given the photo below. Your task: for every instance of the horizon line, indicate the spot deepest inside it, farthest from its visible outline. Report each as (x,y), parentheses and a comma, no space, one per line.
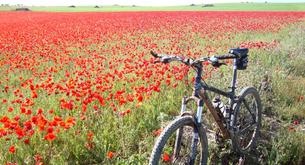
(155,5)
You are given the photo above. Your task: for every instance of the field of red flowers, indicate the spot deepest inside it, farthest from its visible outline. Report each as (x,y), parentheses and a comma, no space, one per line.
(70,82)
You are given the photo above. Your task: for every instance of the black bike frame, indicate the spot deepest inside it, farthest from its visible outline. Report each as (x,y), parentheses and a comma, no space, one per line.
(198,86)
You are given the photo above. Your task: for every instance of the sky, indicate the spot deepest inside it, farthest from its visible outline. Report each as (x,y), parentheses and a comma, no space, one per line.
(128,2)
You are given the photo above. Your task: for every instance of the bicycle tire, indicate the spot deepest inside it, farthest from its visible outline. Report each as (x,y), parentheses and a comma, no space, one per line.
(245,148)
(170,130)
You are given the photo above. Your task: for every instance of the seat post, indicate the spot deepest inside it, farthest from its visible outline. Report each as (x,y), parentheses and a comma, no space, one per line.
(233,83)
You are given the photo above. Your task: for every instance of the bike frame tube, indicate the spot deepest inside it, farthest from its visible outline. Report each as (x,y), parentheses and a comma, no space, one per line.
(230,94)
(201,98)
(200,92)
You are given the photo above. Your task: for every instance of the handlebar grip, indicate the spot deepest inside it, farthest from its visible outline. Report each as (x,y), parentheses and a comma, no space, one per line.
(154,54)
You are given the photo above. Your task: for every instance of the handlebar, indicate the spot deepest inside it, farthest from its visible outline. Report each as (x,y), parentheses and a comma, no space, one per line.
(213,60)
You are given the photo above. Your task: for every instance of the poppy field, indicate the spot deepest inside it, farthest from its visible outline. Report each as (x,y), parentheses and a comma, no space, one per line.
(82,88)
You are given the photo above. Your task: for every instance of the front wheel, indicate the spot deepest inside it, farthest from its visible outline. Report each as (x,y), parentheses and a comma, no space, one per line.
(247,120)
(168,151)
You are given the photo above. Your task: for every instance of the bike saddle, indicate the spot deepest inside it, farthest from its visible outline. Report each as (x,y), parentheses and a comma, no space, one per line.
(240,52)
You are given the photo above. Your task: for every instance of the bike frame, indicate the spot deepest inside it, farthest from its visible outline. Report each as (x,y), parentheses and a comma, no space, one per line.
(201,98)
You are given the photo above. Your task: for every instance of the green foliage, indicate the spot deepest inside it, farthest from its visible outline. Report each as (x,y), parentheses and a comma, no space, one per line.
(288,148)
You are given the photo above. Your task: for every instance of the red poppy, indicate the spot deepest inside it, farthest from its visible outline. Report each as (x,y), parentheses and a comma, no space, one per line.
(110,154)
(10,109)
(26,141)
(166,157)
(301,98)
(12,149)
(157,132)
(50,137)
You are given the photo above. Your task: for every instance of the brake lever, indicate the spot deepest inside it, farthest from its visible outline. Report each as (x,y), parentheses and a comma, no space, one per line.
(218,64)
(164,59)
(157,61)
(154,54)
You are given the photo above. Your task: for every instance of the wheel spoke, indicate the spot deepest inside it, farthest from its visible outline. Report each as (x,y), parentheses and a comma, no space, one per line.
(184,151)
(247,120)
(246,128)
(178,142)
(248,108)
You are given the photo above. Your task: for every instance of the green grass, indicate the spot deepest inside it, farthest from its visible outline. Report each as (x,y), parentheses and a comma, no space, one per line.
(216,7)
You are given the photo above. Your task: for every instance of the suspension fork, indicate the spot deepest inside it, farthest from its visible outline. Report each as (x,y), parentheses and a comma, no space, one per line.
(197,124)
(183,105)
(179,132)
(195,138)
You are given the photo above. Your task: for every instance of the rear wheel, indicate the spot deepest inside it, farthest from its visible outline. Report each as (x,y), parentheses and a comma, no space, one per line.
(247,120)
(174,146)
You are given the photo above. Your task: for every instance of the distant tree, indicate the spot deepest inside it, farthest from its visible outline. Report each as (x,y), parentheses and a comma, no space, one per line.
(208,5)
(192,4)
(133,6)
(23,9)
(266,2)
(96,6)
(72,6)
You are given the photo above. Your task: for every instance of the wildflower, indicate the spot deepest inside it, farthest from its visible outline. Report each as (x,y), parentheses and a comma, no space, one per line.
(37,158)
(10,109)
(26,141)
(12,149)
(140,98)
(51,111)
(50,137)
(16,118)
(90,136)
(110,154)
(95,107)
(296,122)
(157,132)
(301,98)
(34,94)
(166,157)
(39,111)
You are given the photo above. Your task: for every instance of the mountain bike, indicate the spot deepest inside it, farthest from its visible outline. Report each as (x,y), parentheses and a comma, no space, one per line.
(184,140)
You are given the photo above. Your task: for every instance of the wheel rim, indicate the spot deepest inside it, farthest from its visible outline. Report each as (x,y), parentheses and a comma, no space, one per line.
(247,121)
(170,154)
(181,157)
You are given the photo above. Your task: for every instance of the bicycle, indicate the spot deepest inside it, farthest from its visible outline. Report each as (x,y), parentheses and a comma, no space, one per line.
(238,121)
